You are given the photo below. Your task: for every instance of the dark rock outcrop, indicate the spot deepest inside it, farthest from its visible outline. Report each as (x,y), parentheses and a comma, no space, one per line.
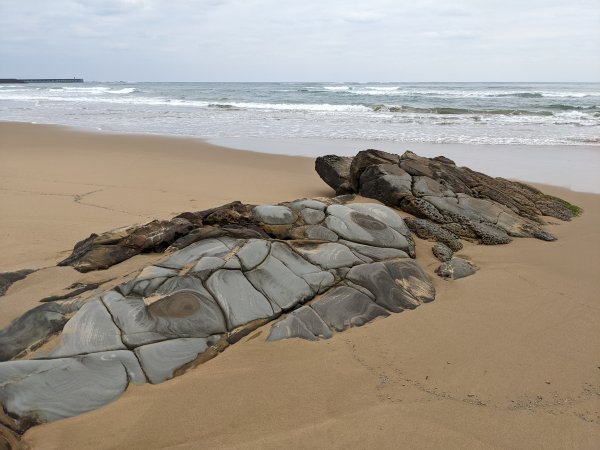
(335,171)
(442,252)
(465,203)
(8,278)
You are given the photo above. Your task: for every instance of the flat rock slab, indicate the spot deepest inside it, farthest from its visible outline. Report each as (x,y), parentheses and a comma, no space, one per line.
(46,390)
(344,307)
(302,323)
(160,360)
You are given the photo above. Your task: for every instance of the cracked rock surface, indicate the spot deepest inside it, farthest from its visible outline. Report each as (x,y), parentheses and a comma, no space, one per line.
(314,267)
(450,202)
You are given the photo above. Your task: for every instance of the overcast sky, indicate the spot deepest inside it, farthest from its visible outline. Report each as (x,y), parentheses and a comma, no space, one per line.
(304,40)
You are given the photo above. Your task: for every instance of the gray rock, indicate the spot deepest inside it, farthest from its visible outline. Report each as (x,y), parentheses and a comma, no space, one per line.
(91,330)
(190,254)
(385,182)
(308,203)
(364,229)
(8,278)
(302,323)
(320,233)
(239,300)
(38,391)
(184,308)
(279,284)
(366,159)
(456,268)
(312,216)
(206,266)
(216,285)
(335,171)
(442,252)
(438,190)
(328,255)
(273,214)
(490,234)
(396,285)
(384,214)
(253,253)
(162,359)
(34,327)
(433,232)
(375,253)
(343,307)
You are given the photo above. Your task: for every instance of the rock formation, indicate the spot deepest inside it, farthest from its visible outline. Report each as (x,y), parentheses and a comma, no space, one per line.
(450,202)
(313,266)
(8,278)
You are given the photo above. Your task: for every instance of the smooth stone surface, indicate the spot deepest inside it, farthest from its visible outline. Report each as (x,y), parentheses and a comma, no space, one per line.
(335,171)
(45,390)
(344,307)
(380,212)
(312,216)
(253,253)
(362,228)
(456,268)
(273,214)
(320,233)
(308,203)
(184,309)
(392,289)
(206,266)
(376,253)
(162,359)
(279,284)
(90,330)
(385,182)
(151,272)
(191,253)
(328,255)
(294,262)
(238,299)
(34,326)
(302,323)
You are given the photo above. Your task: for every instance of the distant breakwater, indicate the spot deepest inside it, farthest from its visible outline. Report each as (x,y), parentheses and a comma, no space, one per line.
(40,80)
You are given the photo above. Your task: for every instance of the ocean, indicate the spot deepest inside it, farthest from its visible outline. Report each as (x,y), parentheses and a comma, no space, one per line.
(455,113)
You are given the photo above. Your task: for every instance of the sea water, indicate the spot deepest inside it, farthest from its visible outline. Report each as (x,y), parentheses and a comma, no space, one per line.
(455,113)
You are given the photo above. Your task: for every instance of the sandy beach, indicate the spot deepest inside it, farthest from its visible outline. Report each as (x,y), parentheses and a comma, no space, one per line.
(507,358)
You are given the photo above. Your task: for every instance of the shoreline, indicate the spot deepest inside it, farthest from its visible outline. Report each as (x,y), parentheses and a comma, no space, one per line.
(506,358)
(572,166)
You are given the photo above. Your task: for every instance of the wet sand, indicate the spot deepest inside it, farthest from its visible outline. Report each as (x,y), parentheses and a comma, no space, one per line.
(507,358)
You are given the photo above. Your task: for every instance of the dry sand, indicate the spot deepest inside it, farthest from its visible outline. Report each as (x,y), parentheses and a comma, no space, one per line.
(507,358)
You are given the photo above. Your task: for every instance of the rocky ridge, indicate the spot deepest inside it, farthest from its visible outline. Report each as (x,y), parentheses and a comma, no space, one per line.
(449,202)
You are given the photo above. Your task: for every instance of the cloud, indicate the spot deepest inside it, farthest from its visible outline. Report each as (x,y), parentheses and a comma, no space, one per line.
(309,40)
(362,16)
